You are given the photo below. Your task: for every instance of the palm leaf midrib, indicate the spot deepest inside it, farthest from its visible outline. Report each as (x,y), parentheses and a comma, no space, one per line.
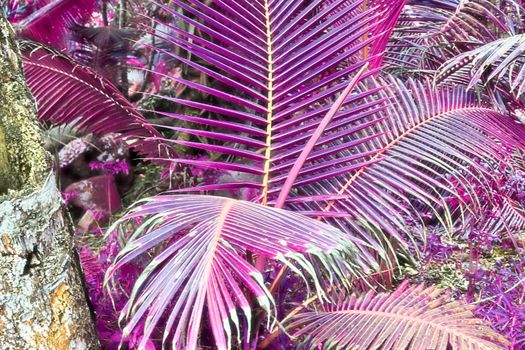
(269,113)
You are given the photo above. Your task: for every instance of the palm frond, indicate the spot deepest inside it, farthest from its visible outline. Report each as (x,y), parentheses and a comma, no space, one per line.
(51,20)
(476,20)
(508,220)
(436,155)
(281,65)
(501,60)
(58,82)
(431,32)
(408,318)
(390,11)
(201,262)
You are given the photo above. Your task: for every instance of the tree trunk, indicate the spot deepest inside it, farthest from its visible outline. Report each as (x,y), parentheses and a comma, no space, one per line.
(43,302)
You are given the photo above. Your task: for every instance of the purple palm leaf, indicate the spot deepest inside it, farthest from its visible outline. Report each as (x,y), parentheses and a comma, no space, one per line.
(281,64)
(508,220)
(203,264)
(58,82)
(434,157)
(431,32)
(409,317)
(499,60)
(381,152)
(474,20)
(51,19)
(246,226)
(390,11)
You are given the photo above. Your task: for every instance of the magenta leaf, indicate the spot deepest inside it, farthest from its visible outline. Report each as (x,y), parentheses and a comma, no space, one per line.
(426,317)
(203,268)
(57,82)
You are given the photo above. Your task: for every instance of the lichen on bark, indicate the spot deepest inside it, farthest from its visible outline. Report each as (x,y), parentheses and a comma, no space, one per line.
(43,304)
(24,164)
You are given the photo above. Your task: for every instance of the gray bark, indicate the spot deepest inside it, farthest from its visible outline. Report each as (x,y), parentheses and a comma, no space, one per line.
(43,303)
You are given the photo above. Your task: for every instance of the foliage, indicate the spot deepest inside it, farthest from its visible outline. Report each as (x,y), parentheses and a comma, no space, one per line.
(340,146)
(426,318)
(205,264)
(47,21)
(57,82)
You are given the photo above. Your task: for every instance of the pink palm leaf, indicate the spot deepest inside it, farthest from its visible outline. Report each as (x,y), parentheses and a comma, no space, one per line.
(408,318)
(203,267)
(58,82)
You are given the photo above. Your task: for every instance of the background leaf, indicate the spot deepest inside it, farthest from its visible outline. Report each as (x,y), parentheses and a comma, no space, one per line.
(58,83)
(424,318)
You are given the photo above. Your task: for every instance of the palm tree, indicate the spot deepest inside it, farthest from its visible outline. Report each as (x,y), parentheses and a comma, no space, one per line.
(355,126)
(343,161)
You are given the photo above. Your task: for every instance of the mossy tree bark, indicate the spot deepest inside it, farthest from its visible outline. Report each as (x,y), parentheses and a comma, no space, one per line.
(43,303)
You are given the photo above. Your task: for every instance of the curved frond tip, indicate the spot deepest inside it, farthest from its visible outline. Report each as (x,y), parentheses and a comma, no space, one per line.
(498,61)
(411,317)
(58,82)
(202,266)
(279,67)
